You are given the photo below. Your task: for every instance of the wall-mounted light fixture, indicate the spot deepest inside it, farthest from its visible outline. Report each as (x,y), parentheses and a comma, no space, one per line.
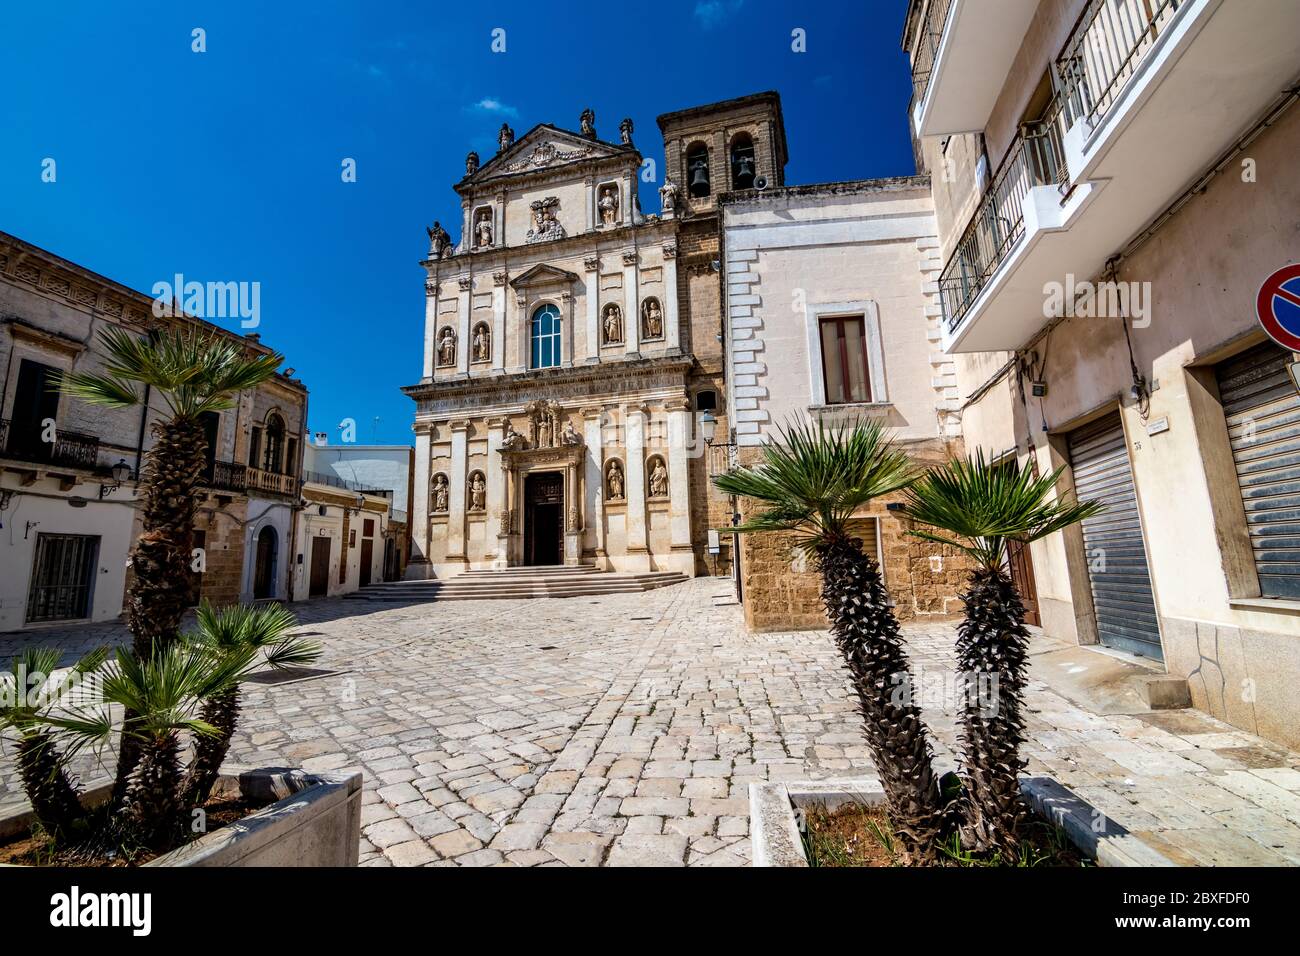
(120,472)
(360,503)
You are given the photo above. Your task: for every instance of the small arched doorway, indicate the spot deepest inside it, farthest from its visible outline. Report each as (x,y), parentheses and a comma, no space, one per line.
(264,568)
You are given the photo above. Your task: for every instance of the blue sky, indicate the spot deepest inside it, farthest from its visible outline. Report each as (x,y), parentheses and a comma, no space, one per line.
(225,165)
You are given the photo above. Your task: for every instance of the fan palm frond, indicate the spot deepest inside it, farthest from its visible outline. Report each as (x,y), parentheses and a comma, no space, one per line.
(979,507)
(814,479)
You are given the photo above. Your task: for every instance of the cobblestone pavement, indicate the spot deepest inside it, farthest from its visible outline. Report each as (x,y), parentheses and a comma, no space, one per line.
(625,730)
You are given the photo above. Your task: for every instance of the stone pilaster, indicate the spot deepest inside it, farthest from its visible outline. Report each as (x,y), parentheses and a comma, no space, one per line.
(462,325)
(672,326)
(592,278)
(456,493)
(500,295)
(593,505)
(679,487)
(567,337)
(431,290)
(418,567)
(631,314)
(638,551)
(496,484)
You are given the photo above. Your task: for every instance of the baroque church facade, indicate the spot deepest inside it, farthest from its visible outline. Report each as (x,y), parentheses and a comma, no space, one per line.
(572,344)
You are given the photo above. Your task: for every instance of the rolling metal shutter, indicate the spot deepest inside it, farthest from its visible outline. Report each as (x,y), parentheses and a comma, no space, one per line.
(1262,410)
(1117,561)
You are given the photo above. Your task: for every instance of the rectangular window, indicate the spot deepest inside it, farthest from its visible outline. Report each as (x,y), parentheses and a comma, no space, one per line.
(36,400)
(844,360)
(63,577)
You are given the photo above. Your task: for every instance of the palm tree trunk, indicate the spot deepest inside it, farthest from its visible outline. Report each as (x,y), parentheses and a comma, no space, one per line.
(992,657)
(222,712)
(45,781)
(152,808)
(160,590)
(160,586)
(866,631)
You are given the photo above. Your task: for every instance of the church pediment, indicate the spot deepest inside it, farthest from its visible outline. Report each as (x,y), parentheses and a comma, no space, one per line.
(542,275)
(544,147)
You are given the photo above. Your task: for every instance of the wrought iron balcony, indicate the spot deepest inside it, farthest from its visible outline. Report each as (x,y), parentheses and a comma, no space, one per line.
(1035,158)
(1107,46)
(69,448)
(927,47)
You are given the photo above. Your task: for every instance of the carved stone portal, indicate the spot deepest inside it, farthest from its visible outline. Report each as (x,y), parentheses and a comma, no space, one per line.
(544,417)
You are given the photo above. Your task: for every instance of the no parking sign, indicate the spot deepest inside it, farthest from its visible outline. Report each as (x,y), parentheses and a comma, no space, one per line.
(1278,307)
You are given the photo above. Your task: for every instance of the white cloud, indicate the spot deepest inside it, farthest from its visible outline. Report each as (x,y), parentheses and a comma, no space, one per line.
(490,105)
(711,13)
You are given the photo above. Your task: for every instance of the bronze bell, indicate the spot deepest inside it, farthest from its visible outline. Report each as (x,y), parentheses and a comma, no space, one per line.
(745,167)
(699,180)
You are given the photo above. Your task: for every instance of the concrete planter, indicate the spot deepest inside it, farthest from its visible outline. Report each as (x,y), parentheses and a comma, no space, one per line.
(314,821)
(775,814)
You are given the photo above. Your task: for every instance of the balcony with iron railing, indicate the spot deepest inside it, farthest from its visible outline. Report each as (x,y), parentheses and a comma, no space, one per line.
(1151,94)
(961,57)
(69,449)
(1034,159)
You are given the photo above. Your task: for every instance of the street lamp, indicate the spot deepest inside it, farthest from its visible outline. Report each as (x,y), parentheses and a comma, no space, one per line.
(120,472)
(708,426)
(360,501)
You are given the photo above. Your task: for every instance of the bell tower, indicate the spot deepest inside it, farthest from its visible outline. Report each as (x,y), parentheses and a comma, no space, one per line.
(724,147)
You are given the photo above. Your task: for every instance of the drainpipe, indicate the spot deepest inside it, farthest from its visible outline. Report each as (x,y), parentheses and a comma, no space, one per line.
(144,423)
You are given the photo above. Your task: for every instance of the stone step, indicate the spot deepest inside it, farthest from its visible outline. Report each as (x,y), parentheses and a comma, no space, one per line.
(508,584)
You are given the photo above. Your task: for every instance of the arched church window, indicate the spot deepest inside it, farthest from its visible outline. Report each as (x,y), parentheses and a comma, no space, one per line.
(544,337)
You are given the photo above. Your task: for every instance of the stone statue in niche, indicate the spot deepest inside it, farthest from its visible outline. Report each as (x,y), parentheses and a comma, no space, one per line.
(505,138)
(570,435)
(440,493)
(471,163)
(477,492)
(653,326)
(439,241)
(512,440)
(587,123)
(668,195)
(545,418)
(614,481)
(545,226)
(659,480)
(625,131)
(483,229)
(613,325)
(447,347)
(482,344)
(608,205)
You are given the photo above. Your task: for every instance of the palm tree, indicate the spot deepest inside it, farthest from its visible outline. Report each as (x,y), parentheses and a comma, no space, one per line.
(194,372)
(812,483)
(980,509)
(237,629)
(161,697)
(27,693)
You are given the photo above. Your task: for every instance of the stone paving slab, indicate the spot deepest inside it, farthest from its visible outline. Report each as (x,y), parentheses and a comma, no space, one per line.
(633,739)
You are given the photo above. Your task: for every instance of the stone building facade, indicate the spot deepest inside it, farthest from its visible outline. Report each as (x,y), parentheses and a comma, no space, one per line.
(1112,190)
(571,344)
(68,499)
(833,318)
